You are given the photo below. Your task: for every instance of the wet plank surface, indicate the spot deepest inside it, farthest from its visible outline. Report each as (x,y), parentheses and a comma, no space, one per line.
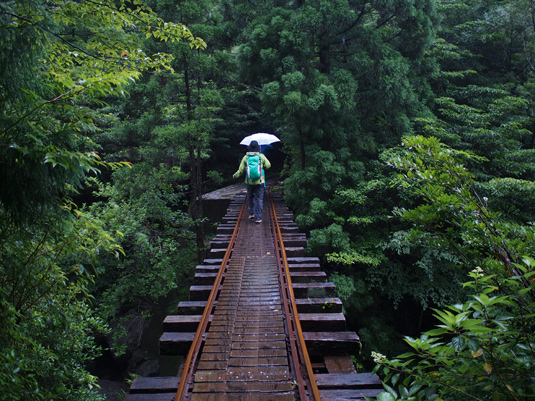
(244,353)
(244,356)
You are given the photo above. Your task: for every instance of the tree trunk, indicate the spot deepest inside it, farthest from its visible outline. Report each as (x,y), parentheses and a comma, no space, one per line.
(195,207)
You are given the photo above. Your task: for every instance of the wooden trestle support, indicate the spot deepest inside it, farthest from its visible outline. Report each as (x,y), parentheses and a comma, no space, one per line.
(244,355)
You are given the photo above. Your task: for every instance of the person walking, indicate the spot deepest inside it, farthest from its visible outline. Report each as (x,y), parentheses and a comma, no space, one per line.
(255,186)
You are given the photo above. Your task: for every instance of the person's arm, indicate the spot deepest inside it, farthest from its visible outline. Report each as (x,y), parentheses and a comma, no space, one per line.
(242,168)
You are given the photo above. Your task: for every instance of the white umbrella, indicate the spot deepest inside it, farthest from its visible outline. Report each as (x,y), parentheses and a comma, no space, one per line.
(261,137)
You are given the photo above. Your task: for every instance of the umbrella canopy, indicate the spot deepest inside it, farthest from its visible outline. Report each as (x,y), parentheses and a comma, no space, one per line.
(261,137)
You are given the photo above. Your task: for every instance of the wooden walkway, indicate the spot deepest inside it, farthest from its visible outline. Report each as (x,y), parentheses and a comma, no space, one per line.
(246,352)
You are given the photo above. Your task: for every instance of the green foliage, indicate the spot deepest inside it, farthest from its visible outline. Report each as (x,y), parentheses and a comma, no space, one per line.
(59,61)
(144,206)
(340,82)
(453,216)
(331,237)
(338,79)
(87,51)
(351,258)
(481,349)
(48,326)
(509,196)
(481,98)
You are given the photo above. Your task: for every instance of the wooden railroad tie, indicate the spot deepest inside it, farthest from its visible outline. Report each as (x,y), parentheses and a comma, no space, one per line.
(328,342)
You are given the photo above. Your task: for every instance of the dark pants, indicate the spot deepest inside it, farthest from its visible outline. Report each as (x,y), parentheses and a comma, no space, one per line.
(255,196)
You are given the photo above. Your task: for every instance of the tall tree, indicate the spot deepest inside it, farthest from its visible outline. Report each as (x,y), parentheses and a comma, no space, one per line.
(340,78)
(182,105)
(481,347)
(58,59)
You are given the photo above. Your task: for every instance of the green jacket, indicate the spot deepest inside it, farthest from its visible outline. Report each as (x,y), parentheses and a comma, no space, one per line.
(243,166)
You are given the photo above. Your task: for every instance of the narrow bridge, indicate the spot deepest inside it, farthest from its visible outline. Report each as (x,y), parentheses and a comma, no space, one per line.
(262,323)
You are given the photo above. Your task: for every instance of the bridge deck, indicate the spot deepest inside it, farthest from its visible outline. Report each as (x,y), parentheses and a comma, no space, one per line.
(245,352)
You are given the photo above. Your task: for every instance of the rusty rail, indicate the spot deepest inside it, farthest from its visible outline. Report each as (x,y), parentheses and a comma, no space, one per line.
(237,332)
(305,379)
(188,371)
(298,358)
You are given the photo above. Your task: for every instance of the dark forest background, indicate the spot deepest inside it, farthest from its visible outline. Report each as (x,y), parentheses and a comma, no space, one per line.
(407,154)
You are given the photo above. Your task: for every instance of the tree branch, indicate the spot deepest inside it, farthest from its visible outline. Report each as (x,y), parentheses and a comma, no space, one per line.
(67,95)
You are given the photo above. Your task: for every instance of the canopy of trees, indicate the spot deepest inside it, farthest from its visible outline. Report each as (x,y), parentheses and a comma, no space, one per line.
(408,143)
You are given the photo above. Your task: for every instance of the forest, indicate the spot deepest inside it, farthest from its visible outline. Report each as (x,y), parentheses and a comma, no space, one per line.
(407,154)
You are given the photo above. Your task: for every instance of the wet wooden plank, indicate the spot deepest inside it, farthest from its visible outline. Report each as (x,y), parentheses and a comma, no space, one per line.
(207,268)
(303,259)
(314,290)
(332,343)
(225,228)
(217,252)
(295,251)
(219,336)
(199,292)
(245,345)
(269,319)
(242,397)
(339,364)
(258,330)
(347,380)
(191,307)
(322,321)
(213,261)
(223,317)
(348,395)
(234,373)
(272,310)
(318,305)
(261,294)
(307,277)
(217,342)
(155,384)
(242,387)
(244,362)
(150,397)
(226,303)
(255,353)
(294,242)
(216,348)
(214,356)
(219,244)
(289,228)
(182,323)
(212,365)
(268,326)
(205,278)
(261,337)
(308,267)
(219,329)
(175,343)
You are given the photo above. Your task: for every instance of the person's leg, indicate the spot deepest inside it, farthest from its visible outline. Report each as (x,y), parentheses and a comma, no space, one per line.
(259,202)
(250,200)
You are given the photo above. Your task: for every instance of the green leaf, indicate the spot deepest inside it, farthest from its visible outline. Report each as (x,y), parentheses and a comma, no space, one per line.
(394,379)
(458,343)
(391,391)
(386,396)
(436,332)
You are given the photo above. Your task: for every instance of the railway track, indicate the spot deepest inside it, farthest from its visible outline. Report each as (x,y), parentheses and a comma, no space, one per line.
(271,326)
